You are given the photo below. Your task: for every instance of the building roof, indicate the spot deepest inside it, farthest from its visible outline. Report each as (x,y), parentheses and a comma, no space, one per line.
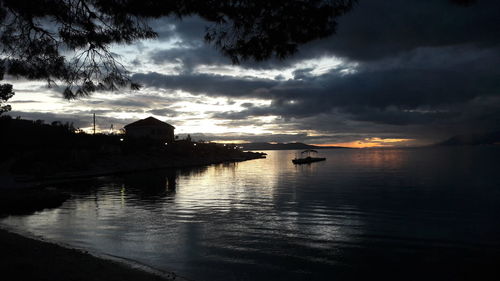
(148,122)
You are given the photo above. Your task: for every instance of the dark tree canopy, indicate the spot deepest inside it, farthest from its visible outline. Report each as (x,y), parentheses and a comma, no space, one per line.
(69,40)
(5,94)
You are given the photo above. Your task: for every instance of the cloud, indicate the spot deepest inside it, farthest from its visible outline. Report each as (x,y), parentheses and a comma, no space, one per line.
(371,31)
(188,57)
(404,88)
(127,102)
(379,29)
(187,29)
(163,112)
(423,69)
(23,101)
(208,84)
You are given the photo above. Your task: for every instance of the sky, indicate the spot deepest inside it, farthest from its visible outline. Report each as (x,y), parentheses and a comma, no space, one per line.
(396,73)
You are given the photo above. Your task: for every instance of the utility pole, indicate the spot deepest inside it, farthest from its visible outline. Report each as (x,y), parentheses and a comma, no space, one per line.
(94,123)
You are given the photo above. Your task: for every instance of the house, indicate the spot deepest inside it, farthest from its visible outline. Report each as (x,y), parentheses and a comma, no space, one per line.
(150,128)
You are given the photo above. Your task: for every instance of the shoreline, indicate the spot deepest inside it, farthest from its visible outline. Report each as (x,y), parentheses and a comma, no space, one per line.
(25,256)
(124,166)
(30,257)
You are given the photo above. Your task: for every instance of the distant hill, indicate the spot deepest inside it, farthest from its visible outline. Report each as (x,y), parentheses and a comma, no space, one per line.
(473,139)
(283,146)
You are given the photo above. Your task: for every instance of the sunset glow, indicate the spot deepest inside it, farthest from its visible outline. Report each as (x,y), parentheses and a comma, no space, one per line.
(371,142)
(230,141)
(250,140)
(338,91)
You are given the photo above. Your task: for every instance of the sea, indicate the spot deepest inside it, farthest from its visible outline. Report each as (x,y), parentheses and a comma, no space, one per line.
(363,214)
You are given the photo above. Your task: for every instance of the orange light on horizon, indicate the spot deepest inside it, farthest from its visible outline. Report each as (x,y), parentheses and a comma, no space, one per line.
(230,141)
(370,142)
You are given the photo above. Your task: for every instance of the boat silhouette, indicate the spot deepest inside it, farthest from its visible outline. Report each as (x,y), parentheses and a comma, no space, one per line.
(307,158)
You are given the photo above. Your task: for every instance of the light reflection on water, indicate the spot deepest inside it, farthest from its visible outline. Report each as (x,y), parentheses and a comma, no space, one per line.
(266,219)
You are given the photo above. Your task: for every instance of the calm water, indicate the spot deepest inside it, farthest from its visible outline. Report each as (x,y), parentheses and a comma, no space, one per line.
(414,213)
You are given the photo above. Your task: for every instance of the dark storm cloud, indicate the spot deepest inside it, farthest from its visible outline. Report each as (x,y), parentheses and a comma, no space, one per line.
(379,29)
(376,29)
(164,112)
(394,116)
(128,103)
(191,49)
(302,73)
(423,68)
(24,101)
(188,57)
(137,103)
(213,85)
(401,83)
(235,123)
(187,29)
(419,87)
(251,137)
(371,31)
(95,102)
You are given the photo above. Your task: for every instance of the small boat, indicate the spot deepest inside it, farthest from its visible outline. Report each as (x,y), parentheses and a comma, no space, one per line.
(307,158)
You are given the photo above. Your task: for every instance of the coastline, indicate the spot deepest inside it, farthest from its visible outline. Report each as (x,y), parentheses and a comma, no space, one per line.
(136,163)
(25,256)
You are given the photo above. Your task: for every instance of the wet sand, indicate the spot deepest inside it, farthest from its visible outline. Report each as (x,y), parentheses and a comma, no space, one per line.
(23,258)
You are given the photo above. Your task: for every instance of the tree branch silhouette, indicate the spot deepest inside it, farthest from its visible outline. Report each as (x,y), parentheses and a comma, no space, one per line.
(68,41)
(5,94)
